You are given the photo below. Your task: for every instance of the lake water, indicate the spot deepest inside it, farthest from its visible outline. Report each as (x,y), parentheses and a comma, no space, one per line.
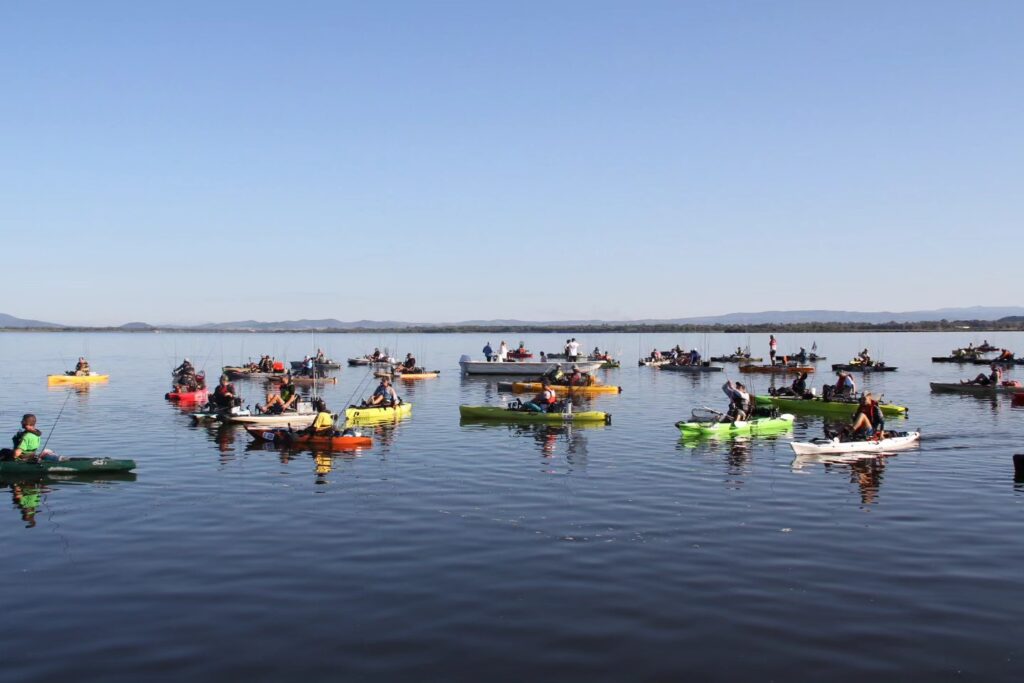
(468,552)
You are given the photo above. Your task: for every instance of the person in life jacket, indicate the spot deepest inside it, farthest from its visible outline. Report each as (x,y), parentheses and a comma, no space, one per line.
(408,366)
(280,402)
(26,441)
(224,394)
(845,386)
(323,424)
(81,368)
(1005,355)
(868,420)
(740,406)
(383,395)
(544,401)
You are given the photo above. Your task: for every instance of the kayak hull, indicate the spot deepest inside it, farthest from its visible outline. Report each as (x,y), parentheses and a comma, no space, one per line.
(760,425)
(76,379)
(199,396)
(836,447)
(819,406)
(561,390)
(777,369)
(284,437)
(57,465)
(864,368)
(736,359)
(690,368)
(974,389)
(504,414)
(374,414)
(408,375)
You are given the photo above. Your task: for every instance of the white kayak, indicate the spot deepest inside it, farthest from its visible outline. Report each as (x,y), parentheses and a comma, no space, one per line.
(837,447)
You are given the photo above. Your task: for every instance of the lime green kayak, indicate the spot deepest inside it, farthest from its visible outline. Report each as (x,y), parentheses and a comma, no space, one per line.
(498,413)
(759,425)
(819,406)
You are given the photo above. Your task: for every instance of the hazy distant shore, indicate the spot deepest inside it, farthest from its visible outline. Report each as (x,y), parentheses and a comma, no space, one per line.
(853,327)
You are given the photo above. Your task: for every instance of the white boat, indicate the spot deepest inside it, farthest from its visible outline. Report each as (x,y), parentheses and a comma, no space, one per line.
(837,447)
(530,368)
(303,416)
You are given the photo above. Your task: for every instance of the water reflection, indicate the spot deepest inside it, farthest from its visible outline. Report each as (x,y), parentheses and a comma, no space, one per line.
(546,438)
(324,461)
(29,492)
(864,470)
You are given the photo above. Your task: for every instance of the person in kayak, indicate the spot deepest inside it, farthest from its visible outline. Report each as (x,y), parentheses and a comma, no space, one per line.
(488,351)
(282,401)
(320,357)
(25,442)
(185,378)
(544,401)
(773,347)
(1006,354)
(224,394)
(868,421)
(81,368)
(863,358)
(739,401)
(798,388)
(656,354)
(993,379)
(694,357)
(384,395)
(845,386)
(575,378)
(376,355)
(408,366)
(323,423)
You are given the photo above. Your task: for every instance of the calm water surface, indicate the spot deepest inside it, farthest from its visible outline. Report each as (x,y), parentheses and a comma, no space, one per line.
(468,552)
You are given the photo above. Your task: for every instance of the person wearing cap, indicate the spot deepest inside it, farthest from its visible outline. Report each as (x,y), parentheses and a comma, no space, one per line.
(383,395)
(993,379)
(409,365)
(185,378)
(739,401)
(282,401)
(323,423)
(224,394)
(81,368)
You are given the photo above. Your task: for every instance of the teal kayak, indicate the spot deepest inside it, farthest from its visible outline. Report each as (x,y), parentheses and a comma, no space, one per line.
(819,406)
(61,465)
(759,425)
(499,413)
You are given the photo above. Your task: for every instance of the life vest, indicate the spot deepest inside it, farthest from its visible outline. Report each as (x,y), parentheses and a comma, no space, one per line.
(550,396)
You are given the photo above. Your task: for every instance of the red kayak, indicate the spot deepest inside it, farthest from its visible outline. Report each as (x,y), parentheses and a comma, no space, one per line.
(197,396)
(286,437)
(1018,398)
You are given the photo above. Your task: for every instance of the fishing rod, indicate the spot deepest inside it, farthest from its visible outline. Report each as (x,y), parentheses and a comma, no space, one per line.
(55,422)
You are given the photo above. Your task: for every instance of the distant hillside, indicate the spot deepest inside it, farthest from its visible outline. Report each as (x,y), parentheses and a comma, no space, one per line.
(11,321)
(324,324)
(137,326)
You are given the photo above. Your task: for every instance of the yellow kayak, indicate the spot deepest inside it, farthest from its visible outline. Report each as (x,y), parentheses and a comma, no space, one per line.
(76,379)
(586,390)
(408,375)
(356,414)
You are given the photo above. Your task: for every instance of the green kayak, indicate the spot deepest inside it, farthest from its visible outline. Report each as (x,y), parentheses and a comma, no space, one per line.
(62,465)
(498,413)
(819,406)
(759,425)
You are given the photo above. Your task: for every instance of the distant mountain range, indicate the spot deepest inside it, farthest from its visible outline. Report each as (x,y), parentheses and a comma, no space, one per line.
(979,313)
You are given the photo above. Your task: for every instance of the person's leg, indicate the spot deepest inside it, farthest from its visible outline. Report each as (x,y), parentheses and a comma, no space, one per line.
(862,423)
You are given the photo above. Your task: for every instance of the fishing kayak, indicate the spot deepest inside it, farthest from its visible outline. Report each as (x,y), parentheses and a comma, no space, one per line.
(837,447)
(560,389)
(819,406)
(206,415)
(671,367)
(654,362)
(735,359)
(977,389)
(506,414)
(286,437)
(242,373)
(759,425)
(300,379)
(303,416)
(1006,362)
(320,365)
(955,359)
(56,464)
(197,396)
(858,367)
(369,361)
(358,414)
(776,369)
(408,375)
(76,379)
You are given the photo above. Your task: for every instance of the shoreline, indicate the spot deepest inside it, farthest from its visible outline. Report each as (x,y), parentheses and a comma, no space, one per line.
(795,328)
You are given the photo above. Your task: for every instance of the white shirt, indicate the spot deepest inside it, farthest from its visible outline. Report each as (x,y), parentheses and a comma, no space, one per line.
(503,352)
(574,348)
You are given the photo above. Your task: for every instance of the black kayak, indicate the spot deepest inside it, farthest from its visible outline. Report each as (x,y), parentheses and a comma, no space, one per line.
(55,464)
(878,367)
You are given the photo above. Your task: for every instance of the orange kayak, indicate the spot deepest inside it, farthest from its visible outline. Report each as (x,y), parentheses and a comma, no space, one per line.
(285,437)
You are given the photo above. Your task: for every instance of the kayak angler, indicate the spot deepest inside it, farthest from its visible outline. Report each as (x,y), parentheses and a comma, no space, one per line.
(26,441)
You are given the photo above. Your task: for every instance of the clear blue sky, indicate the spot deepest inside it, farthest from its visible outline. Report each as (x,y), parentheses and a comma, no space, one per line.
(427,161)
